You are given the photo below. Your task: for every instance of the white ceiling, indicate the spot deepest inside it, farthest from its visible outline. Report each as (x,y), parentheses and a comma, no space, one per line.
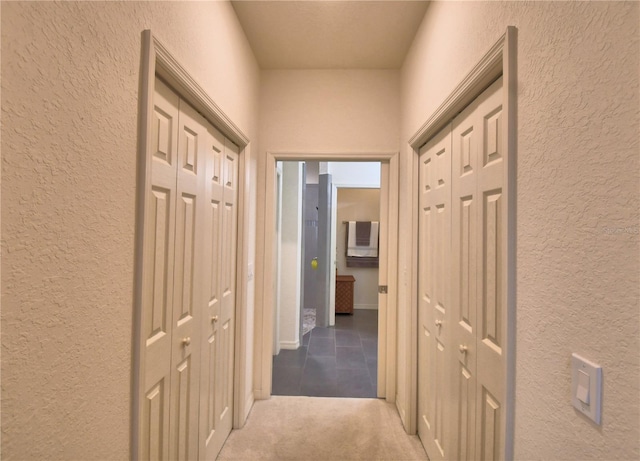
(338,34)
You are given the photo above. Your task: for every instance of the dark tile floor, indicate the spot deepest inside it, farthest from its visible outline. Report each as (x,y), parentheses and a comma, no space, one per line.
(338,361)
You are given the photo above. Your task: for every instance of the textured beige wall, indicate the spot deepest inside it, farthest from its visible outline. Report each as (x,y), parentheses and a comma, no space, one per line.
(358,205)
(329,110)
(577,203)
(70,75)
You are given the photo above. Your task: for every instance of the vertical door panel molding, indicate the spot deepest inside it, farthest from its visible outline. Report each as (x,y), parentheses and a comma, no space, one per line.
(169,300)
(483,276)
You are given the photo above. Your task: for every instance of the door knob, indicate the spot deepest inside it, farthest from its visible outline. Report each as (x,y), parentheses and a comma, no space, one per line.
(214,318)
(186,341)
(438,323)
(463,348)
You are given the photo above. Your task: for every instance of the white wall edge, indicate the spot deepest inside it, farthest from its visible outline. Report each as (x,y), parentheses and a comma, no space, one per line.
(289,345)
(366,307)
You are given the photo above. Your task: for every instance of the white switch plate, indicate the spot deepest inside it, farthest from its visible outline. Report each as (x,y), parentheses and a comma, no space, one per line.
(581,365)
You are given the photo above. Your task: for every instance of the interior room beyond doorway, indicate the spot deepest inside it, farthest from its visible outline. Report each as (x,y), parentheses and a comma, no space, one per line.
(326,312)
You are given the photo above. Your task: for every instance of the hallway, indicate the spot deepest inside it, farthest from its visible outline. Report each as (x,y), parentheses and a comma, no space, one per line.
(327,79)
(323,429)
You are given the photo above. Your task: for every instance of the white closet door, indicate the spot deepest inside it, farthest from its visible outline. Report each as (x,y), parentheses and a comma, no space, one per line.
(461,356)
(229,249)
(216,411)
(210,434)
(227,317)
(491,315)
(466,134)
(157,280)
(434,316)
(478,295)
(188,290)
(188,285)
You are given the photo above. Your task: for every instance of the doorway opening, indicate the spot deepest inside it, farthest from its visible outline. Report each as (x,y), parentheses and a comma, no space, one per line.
(325,313)
(388,273)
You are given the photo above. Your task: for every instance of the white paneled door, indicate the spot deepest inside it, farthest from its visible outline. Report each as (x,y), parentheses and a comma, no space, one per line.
(462,365)
(216,391)
(188,285)
(157,280)
(187,292)
(434,310)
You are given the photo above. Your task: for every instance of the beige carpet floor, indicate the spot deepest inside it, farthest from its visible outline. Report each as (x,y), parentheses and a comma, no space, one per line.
(326,429)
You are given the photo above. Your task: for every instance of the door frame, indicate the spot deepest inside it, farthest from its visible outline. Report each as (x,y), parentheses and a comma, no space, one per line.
(157,60)
(500,60)
(387,311)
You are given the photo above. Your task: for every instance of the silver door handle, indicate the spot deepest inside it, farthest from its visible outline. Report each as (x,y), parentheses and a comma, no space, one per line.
(186,341)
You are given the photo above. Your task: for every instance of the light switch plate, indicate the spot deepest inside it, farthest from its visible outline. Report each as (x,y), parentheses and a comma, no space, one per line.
(579,391)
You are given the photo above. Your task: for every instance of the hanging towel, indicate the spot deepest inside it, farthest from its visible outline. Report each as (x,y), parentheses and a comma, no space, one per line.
(362,239)
(363,234)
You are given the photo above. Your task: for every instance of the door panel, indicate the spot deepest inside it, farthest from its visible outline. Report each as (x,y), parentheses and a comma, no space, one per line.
(218,325)
(182,414)
(155,427)
(188,285)
(434,313)
(490,445)
(462,368)
(157,279)
(464,414)
(188,294)
(209,434)
(491,324)
(230,245)
(465,137)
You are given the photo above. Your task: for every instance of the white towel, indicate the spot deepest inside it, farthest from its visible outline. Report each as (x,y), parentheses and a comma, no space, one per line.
(370,251)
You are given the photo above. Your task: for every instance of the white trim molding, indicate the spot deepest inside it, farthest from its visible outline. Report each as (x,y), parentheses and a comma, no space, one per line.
(485,72)
(172,72)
